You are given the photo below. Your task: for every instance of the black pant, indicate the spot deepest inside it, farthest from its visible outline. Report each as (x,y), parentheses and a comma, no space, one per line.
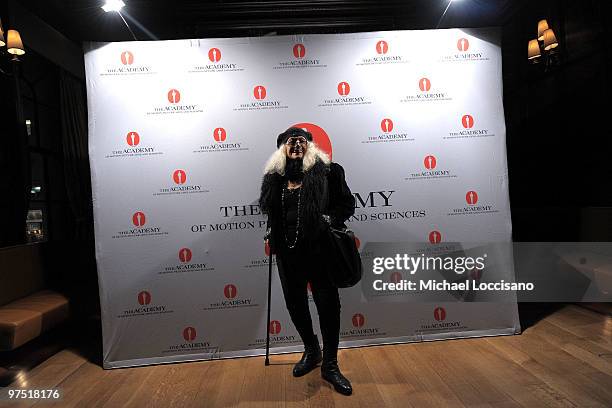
(296,268)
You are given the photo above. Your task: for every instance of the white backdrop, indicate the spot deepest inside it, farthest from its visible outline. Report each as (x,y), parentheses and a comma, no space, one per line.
(178,135)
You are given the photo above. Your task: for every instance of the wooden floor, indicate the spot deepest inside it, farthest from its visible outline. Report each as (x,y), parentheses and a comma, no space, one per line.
(563,360)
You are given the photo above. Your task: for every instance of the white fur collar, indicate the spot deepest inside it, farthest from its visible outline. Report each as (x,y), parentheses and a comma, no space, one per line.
(276,162)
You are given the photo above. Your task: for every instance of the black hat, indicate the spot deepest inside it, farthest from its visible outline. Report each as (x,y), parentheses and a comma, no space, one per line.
(292,132)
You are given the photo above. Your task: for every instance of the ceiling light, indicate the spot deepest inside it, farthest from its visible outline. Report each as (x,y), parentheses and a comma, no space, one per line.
(113,5)
(14,43)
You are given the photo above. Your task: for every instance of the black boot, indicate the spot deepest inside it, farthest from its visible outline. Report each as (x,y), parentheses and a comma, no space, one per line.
(331,373)
(310,359)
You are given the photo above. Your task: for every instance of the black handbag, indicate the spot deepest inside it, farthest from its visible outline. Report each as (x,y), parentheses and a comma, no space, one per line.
(343,259)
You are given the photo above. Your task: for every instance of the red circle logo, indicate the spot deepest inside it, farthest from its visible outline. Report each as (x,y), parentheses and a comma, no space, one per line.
(219,134)
(344,88)
(299,51)
(471,197)
(463,44)
(267,249)
(133,138)
(430,162)
(144,298)
(396,277)
(230,291)
(382,47)
(179,176)
(357,242)
(275,327)
(319,136)
(214,55)
(174,96)
(139,219)
(184,255)
(358,320)
(435,237)
(467,121)
(386,125)
(439,314)
(259,92)
(424,84)
(127,58)
(189,333)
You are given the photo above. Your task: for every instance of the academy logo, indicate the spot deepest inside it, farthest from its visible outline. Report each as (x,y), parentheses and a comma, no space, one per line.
(176,103)
(126,64)
(215,62)
(473,205)
(133,146)
(464,50)
(388,135)
(426,91)
(431,170)
(359,328)
(440,322)
(300,59)
(345,97)
(261,100)
(140,227)
(231,300)
(468,128)
(180,185)
(184,263)
(191,341)
(221,141)
(144,306)
(381,55)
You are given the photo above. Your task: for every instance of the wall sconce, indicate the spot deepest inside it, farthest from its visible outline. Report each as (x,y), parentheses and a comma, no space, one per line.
(543,47)
(13,42)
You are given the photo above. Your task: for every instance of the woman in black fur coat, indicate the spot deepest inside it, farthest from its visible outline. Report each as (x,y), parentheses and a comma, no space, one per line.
(301,191)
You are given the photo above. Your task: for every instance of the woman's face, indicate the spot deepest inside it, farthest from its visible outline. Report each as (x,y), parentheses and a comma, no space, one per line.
(296,147)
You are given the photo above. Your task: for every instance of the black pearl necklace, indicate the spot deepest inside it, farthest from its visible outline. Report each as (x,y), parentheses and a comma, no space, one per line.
(297,224)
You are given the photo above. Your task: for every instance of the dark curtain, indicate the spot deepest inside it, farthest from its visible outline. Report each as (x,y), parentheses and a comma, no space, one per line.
(73,111)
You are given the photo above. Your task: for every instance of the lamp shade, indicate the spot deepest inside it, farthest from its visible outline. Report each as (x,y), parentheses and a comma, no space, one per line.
(550,41)
(2,40)
(542,26)
(14,43)
(533,50)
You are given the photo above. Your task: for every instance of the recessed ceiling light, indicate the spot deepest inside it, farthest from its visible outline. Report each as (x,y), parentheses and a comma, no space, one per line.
(113,5)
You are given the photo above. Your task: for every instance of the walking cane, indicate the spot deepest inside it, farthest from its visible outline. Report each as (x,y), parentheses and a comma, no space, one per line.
(267,362)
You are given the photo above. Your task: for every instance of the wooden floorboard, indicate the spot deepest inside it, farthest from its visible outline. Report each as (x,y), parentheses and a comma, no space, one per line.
(561,361)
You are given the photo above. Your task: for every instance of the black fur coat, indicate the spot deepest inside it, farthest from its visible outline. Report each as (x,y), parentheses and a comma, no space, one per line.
(324,191)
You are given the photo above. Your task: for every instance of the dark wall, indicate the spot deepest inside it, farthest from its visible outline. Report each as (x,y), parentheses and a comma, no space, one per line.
(558,123)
